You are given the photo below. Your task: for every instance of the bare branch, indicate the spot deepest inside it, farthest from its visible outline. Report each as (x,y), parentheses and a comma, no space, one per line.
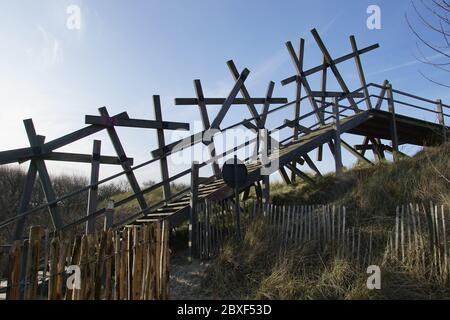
(425,22)
(439,16)
(426,60)
(433,81)
(446,5)
(432,47)
(444,34)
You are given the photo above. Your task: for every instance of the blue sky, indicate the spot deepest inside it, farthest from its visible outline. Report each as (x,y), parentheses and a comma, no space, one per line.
(127,51)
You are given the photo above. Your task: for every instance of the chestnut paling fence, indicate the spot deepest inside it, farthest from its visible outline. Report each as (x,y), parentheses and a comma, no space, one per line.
(130,264)
(416,238)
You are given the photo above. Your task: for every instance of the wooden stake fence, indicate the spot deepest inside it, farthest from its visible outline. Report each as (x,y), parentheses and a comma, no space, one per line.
(419,236)
(420,240)
(131,264)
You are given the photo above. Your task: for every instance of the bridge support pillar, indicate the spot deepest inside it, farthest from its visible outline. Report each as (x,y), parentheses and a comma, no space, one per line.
(440,113)
(93,190)
(265,192)
(109,216)
(393,124)
(161,143)
(337,138)
(193,218)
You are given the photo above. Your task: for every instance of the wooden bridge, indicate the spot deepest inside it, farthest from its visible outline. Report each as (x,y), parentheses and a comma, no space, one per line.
(371,111)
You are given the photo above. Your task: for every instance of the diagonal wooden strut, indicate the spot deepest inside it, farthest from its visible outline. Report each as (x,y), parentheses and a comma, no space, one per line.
(125,165)
(244,92)
(301,76)
(333,68)
(362,78)
(161,143)
(229,100)
(298,95)
(37,142)
(206,123)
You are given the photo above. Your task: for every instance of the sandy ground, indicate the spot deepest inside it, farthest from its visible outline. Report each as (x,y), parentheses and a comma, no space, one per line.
(186,278)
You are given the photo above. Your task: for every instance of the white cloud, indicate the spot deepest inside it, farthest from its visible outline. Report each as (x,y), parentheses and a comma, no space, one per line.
(408,63)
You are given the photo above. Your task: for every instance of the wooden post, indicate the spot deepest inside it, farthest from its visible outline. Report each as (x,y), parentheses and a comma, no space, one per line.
(381,95)
(123,288)
(137,263)
(158,260)
(129,262)
(193,217)
(206,123)
(25,199)
(145,261)
(337,138)
(117,267)
(263,118)
(323,88)
(237,208)
(71,294)
(37,142)
(109,215)
(298,95)
(166,260)
(32,268)
(109,257)
(362,78)
(93,191)
(14,271)
(99,265)
(161,144)
(393,124)
(440,113)
(23,266)
(266,193)
(53,266)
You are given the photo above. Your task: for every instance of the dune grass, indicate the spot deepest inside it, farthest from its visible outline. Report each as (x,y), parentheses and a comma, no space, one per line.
(378,189)
(257,268)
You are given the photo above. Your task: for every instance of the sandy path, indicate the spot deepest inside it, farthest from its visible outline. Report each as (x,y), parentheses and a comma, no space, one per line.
(186,278)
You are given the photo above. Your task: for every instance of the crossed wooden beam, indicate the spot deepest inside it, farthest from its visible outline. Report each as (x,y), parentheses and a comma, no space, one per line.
(39,151)
(239,87)
(301,82)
